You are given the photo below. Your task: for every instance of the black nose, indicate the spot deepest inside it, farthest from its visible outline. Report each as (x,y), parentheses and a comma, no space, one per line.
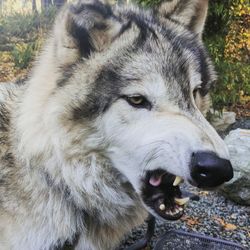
(209,170)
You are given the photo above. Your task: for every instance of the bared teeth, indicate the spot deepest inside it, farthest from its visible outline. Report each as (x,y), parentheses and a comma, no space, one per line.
(174,212)
(170,213)
(162,207)
(181,201)
(180,209)
(177,181)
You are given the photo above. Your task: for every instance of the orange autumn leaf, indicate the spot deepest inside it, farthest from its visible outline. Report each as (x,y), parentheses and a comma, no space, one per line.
(229,226)
(225,225)
(190,221)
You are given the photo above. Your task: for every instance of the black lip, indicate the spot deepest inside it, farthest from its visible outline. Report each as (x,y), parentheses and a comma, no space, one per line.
(164,193)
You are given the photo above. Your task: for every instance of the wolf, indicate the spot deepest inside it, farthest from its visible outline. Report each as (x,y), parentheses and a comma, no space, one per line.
(108,124)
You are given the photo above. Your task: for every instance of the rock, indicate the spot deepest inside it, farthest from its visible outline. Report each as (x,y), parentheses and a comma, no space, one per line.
(222,121)
(238,189)
(241,123)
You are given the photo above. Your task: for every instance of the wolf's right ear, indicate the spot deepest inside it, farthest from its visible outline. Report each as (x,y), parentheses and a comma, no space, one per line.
(190,13)
(85,27)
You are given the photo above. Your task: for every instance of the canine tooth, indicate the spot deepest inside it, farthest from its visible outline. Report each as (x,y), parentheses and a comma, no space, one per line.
(162,207)
(177,181)
(181,201)
(180,209)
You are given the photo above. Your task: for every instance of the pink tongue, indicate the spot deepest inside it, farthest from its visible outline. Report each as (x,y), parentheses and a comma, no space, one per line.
(155,181)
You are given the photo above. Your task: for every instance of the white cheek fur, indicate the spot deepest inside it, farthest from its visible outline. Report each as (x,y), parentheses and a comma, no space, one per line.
(141,140)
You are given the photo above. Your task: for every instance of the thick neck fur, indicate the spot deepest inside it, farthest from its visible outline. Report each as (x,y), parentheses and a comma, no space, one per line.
(61,181)
(58,188)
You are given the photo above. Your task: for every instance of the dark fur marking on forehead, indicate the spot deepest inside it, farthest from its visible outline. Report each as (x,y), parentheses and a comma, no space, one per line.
(124,28)
(191,43)
(143,25)
(105,90)
(180,70)
(107,85)
(145,31)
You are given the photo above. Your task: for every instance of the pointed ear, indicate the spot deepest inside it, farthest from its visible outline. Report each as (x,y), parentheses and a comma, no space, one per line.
(190,13)
(83,28)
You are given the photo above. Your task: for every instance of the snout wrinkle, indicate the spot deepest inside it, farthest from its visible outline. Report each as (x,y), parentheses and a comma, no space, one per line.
(159,156)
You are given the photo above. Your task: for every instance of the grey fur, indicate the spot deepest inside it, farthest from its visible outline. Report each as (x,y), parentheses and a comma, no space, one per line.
(57,179)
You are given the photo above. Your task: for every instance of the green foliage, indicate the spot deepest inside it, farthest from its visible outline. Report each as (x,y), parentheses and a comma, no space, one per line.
(23,33)
(25,26)
(18,25)
(22,55)
(233,75)
(218,18)
(233,82)
(47,17)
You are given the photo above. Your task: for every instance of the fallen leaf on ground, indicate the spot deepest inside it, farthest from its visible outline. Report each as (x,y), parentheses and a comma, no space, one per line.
(225,225)
(229,226)
(190,221)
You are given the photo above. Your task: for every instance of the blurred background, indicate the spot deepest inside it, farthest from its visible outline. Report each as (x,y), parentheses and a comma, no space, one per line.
(24,25)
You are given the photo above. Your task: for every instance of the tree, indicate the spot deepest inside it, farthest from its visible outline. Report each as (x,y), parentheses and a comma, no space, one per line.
(59,3)
(1,7)
(45,4)
(34,8)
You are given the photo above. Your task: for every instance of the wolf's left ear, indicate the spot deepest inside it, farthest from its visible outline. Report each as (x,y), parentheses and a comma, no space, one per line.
(83,28)
(190,13)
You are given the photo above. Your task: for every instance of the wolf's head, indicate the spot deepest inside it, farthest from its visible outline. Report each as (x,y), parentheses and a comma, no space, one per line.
(132,85)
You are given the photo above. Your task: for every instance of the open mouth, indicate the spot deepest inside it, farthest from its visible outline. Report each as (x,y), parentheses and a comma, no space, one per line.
(162,194)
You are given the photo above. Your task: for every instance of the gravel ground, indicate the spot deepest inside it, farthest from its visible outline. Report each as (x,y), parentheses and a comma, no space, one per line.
(213,215)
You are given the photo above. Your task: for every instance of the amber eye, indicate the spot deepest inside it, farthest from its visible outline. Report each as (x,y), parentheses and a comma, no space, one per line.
(138,101)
